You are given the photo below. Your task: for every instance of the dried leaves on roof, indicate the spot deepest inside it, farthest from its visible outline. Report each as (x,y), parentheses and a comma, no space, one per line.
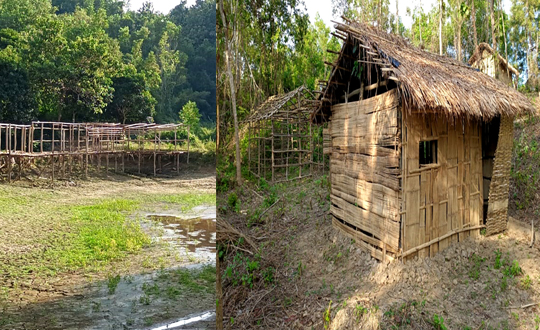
(297,101)
(426,82)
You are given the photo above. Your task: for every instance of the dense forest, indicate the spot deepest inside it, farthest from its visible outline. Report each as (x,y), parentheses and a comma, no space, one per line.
(274,46)
(95,60)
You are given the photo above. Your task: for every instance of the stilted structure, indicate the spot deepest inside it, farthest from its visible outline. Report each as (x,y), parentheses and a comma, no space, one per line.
(60,148)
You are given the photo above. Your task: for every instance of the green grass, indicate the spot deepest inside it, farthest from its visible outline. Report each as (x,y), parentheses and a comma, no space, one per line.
(175,283)
(187,201)
(90,235)
(49,238)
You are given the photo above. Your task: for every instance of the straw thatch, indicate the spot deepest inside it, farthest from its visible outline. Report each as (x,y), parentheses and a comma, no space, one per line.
(296,101)
(426,82)
(480,52)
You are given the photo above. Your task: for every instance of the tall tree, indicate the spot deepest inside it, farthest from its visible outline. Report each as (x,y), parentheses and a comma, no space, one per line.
(493,26)
(440,25)
(232,91)
(473,23)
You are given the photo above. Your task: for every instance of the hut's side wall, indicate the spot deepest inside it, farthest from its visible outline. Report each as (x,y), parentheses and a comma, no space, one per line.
(497,213)
(364,167)
(444,197)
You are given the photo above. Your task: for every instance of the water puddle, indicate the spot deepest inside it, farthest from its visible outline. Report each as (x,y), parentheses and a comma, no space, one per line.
(206,316)
(194,233)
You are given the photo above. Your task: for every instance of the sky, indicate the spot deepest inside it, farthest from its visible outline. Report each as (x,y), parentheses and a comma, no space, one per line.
(324,8)
(163,6)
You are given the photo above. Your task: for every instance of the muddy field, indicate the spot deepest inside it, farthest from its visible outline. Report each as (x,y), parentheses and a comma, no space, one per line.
(285,267)
(165,276)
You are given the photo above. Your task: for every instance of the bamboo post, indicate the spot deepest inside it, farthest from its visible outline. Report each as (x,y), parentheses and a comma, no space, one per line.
(8,140)
(155,145)
(300,150)
(86,151)
(159,149)
(310,150)
(52,154)
(259,150)
(177,154)
(187,145)
(139,158)
(272,150)
(41,141)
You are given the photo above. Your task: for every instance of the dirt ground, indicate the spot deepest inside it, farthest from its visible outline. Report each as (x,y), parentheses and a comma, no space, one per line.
(161,284)
(289,269)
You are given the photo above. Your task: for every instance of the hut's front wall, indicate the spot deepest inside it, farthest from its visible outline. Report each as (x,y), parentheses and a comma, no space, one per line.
(365,169)
(445,198)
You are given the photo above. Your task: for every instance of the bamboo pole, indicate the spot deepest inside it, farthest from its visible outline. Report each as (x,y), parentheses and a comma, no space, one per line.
(438,239)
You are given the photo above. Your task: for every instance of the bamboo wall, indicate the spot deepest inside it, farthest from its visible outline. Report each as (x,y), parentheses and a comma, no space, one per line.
(497,213)
(442,200)
(383,198)
(364,169)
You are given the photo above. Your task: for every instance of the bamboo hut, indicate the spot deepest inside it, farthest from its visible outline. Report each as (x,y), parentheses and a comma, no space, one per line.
(493,64)
(409,131)
(283,144)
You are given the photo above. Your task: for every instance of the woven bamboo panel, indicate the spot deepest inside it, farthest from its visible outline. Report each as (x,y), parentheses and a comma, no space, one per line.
(364,167)
(445,196)
(497,214)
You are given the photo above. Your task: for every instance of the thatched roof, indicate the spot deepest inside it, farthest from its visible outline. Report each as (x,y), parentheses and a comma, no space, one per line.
(296,101)
(482,49)
(426,82)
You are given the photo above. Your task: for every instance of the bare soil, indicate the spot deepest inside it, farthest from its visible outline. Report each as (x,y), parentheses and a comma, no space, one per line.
(153,286)
(321,280)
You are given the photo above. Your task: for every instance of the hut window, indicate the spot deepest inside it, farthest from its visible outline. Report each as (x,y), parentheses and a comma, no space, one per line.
(428,152)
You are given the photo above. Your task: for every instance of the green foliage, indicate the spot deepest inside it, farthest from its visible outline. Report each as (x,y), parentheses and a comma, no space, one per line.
(438,322)
(512,270)
(247,271)
(526,282)
(474,272)
(326,315)
(233,201)
(190,116)
(112,283)
(97,61)
(498,255)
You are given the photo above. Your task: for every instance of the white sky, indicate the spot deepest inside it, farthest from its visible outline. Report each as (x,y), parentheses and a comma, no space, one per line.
(324,8)
(163,6)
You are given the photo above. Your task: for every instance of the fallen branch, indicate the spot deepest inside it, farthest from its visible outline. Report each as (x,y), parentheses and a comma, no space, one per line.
(524,306)
(532,232)
(260,216)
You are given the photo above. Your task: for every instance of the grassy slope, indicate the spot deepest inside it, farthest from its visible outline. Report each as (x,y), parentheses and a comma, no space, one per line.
(525,175)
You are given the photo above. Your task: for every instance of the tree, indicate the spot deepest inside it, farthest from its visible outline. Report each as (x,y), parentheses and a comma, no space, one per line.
(460,11)
(71,61)
(233,95)
(473,23)
(190,116)
(440,25)
(132,101)
(16,98)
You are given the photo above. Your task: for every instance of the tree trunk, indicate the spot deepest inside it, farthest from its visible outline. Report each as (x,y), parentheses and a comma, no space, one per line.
(440,27)
(493,36)
(473,21)
(233,94)
(380,14)
(397,18)
(217,125)
(219,293)
(459,42)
